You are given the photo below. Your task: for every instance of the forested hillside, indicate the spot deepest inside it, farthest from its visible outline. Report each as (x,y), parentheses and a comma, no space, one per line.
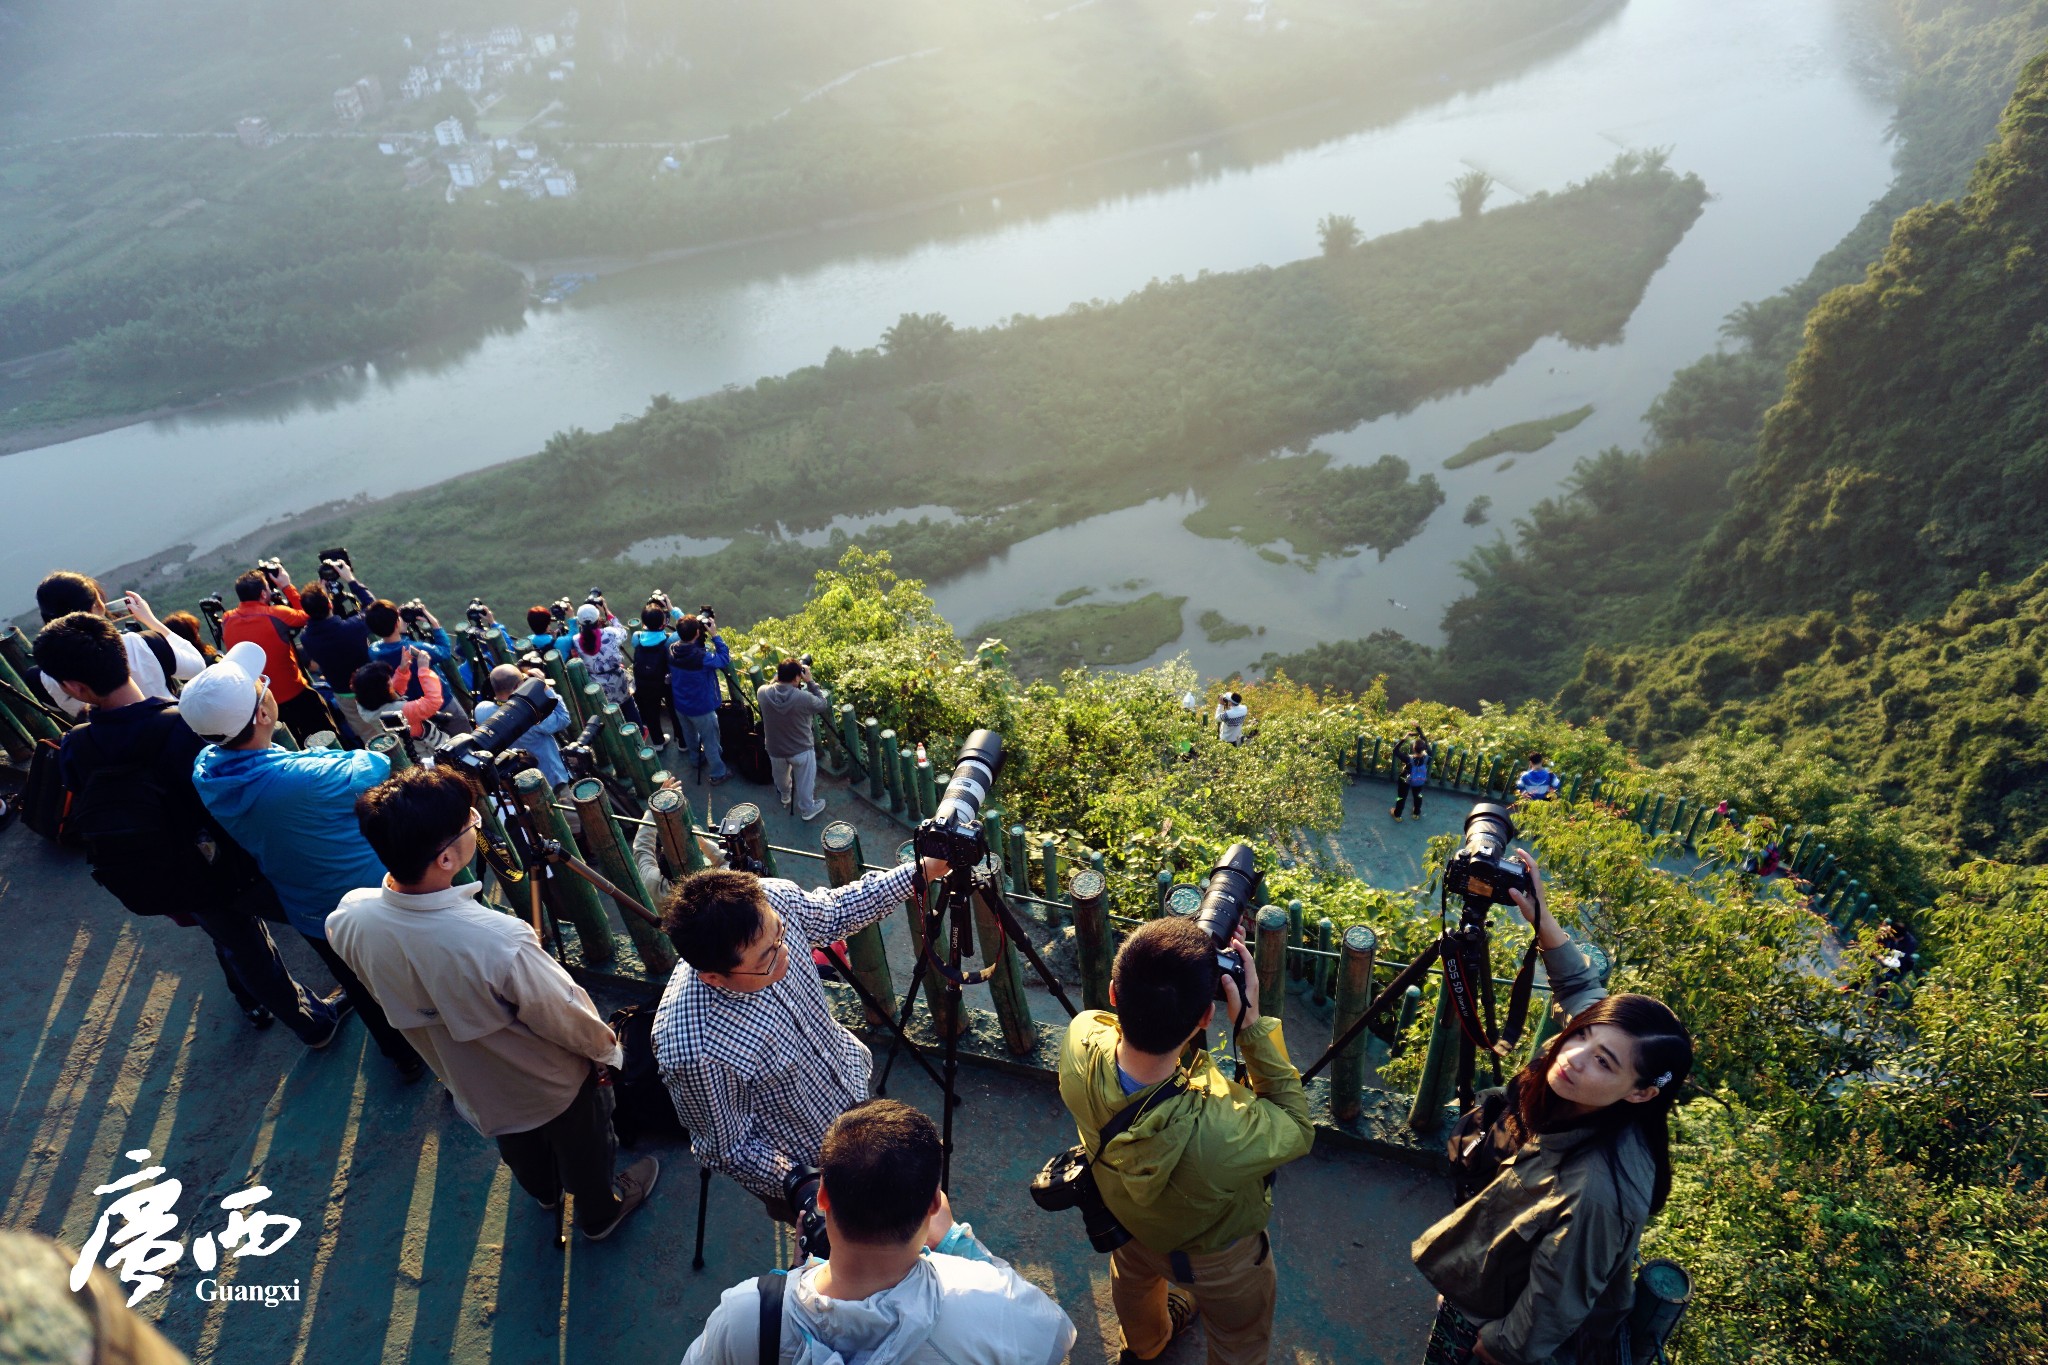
(1600,562)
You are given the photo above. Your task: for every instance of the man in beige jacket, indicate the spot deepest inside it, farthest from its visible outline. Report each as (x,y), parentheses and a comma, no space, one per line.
(515,1040)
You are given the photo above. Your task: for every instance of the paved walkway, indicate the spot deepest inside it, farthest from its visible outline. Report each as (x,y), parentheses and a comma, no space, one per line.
(117,1035)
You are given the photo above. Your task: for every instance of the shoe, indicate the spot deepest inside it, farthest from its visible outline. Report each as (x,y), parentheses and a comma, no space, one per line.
(716,781)
(411,1070)
(550,1207)
(1181,1312)
(259,1017)
(633,1186)
(813,814)
(1397,815)
(343,1007)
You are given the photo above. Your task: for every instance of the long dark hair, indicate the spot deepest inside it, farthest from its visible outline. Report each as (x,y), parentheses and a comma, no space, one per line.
(1663,1059)
(586,639)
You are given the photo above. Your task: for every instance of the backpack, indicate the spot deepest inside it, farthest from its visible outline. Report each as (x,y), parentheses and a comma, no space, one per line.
(741,738)
(641,1105)
(43,798)
(650,667)
(120,816)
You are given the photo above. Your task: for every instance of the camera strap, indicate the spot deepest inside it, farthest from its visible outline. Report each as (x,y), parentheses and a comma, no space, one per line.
(1121,1121)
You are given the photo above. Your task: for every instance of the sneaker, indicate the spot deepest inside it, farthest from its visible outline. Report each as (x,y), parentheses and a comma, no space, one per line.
(716,781)
(343,1007)
(813,813)
(550,1204)
(259,1017)
(1397,815)
(633,1186)
(411,1069)
(1181,1313)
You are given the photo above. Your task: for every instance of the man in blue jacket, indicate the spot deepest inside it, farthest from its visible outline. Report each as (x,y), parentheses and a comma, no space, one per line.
(695,660)
(294,812)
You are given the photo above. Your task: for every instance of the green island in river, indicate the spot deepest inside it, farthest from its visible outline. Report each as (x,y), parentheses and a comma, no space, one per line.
(1039,422)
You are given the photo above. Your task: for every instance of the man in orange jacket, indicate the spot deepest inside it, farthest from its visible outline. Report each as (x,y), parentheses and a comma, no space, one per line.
(257,619)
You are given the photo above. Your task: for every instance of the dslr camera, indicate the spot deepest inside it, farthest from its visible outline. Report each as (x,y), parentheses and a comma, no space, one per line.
(561,608)
(413,612)
(334,563)
(954,835)
(1481,872)
(1233,886)
(1068,1182)
(800,1188)
(270,566)
(477,751)
(477,612)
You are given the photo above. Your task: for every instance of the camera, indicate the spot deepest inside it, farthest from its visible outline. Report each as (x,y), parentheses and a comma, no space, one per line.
(596,598)
(1068,1182)
(270,567)
(660,599)
(954,835)
(118,608)
(800,1188)
(1233,882)
(477,612)
(335,562)
(1481,871)
(561,608)
(732,838)
(530,703)
(580,757)
(413,612)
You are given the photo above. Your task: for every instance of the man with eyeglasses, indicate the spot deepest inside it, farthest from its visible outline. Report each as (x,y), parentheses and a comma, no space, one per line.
(753,1059)
(517,1042)
(293,811)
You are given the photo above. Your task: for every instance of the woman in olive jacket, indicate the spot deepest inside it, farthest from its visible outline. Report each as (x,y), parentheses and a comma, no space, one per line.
(1569,1162)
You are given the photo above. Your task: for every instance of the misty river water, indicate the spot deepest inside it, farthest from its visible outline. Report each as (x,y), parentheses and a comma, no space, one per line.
(1781,108)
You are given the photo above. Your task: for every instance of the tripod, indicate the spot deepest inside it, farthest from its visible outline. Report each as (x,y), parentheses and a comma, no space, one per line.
(1468,977)
(944,948)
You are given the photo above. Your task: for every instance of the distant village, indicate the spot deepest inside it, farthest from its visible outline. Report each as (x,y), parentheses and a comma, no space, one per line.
(477,65)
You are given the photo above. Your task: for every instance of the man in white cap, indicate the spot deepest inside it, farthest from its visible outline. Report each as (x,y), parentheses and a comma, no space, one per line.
(293,811)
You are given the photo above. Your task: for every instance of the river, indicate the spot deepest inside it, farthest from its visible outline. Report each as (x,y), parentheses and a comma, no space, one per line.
(1782,109)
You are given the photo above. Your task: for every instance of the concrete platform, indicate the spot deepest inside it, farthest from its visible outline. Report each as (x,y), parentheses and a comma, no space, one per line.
(117,1033)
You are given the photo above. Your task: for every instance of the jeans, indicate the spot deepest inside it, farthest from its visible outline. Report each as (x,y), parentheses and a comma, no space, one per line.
(572,1151)
(248,955)
(389,1040)
(702,730)
(802,773)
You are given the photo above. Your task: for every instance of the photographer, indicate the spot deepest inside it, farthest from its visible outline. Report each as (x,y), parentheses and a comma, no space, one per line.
(293,811)
(1230,717)
(387,622)
(257,620)
(381,695)
(787,705)
(516,1041)
(1538,783)
(695,660)
(156,655)
(1569,1162)
(338,646)
(152,845)
(904,1282)
(650,670)
(539,738)
(1189,1178)
(1411,769)
(544,637)
(603,651)
(756,1064)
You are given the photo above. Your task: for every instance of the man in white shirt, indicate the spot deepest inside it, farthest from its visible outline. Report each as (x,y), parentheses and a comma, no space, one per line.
(516,1041)
(904,1283)
(155,655)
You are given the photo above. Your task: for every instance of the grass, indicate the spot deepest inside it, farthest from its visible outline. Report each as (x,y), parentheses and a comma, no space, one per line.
(1522,437)
(1218,629)
(1098,634)
(1071,596)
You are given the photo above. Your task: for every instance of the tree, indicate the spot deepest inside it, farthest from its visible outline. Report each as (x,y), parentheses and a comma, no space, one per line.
(1338,232)
(917,337)
(1471,190)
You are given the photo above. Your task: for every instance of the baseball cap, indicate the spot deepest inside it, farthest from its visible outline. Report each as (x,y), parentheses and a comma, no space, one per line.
(586,612)
(221,701)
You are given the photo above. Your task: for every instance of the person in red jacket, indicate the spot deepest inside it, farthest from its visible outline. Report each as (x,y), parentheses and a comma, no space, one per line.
(257,619)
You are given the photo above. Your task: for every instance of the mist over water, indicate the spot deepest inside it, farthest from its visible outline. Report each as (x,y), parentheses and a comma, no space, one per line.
(1781,109)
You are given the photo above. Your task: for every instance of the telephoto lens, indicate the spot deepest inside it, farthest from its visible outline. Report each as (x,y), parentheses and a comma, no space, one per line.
(1233,882)
(800,1188)
(953,833)
(529,703)
(1481,871)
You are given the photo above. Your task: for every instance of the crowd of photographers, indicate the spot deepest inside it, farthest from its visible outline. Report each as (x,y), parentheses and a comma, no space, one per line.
(187,809)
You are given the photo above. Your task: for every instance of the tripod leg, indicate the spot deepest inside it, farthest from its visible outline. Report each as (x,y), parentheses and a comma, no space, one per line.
(703,1203)
(1008,919)
(951,1096)
(1410,975)
(874,1007)
(903,1023)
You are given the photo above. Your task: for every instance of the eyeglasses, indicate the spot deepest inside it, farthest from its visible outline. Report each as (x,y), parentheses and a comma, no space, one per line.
(476,820)
(775,955)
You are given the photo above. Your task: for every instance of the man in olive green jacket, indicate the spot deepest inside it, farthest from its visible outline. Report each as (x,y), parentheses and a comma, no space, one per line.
(1189,1178)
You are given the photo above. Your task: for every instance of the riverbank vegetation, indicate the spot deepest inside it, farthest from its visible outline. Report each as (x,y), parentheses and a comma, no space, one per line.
(1317,510)
(1044,644)
(1042,421)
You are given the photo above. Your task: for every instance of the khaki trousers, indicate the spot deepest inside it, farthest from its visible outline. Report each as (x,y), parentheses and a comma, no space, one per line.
(1235,1288)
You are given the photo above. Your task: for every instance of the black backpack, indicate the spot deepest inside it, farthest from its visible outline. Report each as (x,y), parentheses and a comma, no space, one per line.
(641,1106)
(650,667)
(740,736)
(121,816)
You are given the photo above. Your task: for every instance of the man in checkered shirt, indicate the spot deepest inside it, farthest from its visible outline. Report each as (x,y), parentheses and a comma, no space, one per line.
(756,1064)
